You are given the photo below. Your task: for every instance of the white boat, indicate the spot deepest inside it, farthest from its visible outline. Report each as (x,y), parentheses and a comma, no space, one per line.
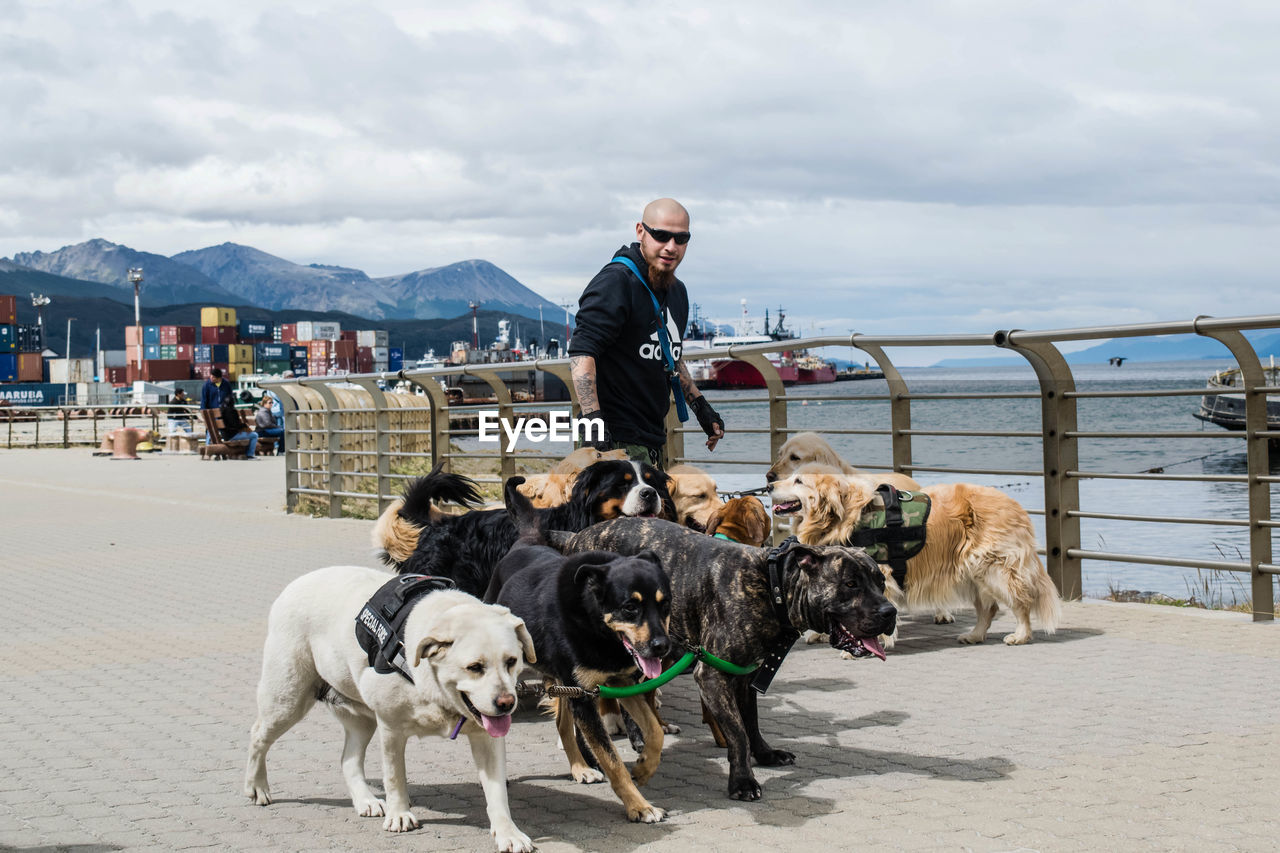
(1227,410)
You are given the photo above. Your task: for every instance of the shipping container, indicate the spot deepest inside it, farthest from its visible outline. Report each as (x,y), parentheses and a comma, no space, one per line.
(344,349)
(381,354)
(150,351)
(242,353)
(252,331)
(217,334)
(372,338)
(30,367)
(303,332)
(325,330)
(319,349)
(9,338)
(186,352)
(348,335)
(202,371)
(215,316)
(168,352)
(70,370)
(395,358)
(8,309)
(288,332)
(151,335)
(177,334)
(165,370)
(8,367)
(131,337)
(30,337)
(116,375)
(272,367)
(211,353)
(271,351)
(113,358)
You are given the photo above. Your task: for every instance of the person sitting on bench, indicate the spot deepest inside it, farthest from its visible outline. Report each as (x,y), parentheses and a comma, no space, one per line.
(234,428)
(265,420)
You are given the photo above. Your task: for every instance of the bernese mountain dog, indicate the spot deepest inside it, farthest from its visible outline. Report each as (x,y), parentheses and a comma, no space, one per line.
(412,535)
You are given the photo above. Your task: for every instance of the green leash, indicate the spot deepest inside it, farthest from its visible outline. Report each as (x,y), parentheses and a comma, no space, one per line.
(629,690)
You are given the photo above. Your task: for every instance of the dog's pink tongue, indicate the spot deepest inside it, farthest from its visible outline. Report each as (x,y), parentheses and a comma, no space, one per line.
(872,644)
(496,726)
(651,667)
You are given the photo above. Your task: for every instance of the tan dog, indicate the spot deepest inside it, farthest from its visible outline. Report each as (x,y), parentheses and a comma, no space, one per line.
(742,520)
(694,493)
(978,541)
(554,487)
(804,448)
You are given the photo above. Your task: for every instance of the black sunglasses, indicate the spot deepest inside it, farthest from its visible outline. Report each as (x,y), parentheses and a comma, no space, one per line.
(681,237)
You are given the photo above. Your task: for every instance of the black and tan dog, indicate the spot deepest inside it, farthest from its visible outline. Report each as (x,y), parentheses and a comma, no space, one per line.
(413,535)
(722,602)
(595,618)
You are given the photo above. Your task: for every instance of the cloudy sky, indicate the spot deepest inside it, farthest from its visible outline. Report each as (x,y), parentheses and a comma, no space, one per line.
(886,166)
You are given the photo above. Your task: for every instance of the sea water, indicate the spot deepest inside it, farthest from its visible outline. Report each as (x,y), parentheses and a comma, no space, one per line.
(1211,452)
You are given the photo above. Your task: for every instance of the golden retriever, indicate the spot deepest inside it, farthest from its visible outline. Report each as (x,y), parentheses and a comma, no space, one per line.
(693,491)
(978,541)
(806,447)
(554,487)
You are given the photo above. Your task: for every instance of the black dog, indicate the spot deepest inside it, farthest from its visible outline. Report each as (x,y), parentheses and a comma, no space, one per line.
(723,603)
(417,538)
(595,618)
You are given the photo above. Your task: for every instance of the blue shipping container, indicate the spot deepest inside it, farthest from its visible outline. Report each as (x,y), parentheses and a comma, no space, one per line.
(211,354)
(150,335)
(151,351)
(8,338)
(8,368)
(395,359)
(298,353)
(272,352)
(254,330)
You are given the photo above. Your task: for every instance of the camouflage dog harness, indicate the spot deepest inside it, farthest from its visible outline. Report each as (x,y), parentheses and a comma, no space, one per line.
(892,528)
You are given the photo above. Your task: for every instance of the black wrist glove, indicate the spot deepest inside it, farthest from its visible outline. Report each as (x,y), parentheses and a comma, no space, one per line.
(606,443)
(707,417)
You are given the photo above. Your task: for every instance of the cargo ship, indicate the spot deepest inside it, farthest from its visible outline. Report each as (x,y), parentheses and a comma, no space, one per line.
(795,367)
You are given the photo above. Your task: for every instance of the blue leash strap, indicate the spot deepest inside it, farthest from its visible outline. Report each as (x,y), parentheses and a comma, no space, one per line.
(681,410)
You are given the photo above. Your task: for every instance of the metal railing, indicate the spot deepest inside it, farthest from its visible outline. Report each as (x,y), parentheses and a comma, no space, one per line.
(319,464)
(71,425)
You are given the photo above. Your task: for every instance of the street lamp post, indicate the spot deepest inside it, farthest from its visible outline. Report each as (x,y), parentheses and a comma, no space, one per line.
(66,386)
(135,278)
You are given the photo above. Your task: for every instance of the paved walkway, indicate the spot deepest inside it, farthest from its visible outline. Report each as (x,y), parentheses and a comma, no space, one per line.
(135,597)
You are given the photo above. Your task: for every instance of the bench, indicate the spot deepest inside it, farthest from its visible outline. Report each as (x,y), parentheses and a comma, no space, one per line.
(224,449)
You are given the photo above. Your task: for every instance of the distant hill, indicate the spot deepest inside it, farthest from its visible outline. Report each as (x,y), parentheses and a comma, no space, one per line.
(22,281)
(272,282)
(165,282)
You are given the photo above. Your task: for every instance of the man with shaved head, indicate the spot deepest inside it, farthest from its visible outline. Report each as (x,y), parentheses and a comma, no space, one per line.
(622,362)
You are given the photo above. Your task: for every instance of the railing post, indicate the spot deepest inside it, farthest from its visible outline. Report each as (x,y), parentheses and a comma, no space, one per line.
(289,444)
(439,418)
(382,439)
(1061,493)
(899,405)
(507,465)
(1257,460)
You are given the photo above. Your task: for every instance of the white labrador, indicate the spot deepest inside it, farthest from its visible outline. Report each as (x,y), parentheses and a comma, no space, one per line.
(464,656)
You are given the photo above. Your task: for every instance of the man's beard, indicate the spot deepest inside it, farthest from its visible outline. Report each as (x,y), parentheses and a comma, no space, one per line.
(660,279)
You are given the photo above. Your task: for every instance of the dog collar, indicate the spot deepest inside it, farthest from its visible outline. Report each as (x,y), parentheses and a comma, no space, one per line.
(725,538)
(778,596)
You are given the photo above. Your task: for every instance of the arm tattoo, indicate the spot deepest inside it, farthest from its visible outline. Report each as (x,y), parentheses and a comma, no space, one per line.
(583,370)
(687,384)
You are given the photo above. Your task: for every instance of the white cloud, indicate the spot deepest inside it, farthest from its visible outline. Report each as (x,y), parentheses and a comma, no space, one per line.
(925,166)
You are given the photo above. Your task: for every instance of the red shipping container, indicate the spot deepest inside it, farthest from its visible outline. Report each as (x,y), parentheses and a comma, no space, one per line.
(8,309)
(344,349)
(345,335)
(117,375)
(186,352)
(217,334)
(177,334)
(364,364)
(165,369)
(317,367)
(30,367)
(202,371)
(288,333)
(320,349)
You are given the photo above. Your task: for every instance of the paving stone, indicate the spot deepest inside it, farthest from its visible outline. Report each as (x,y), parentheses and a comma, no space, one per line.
(1134,728)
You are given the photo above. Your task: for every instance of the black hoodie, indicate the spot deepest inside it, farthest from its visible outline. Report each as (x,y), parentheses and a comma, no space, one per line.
(617,326)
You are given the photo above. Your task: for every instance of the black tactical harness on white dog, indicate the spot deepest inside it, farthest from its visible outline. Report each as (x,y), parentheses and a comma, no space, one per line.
(380,621)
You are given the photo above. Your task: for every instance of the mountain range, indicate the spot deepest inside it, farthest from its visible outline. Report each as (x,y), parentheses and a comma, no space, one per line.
(236,275)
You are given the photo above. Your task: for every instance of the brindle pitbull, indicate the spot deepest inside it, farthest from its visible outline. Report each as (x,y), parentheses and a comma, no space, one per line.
(721,601)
